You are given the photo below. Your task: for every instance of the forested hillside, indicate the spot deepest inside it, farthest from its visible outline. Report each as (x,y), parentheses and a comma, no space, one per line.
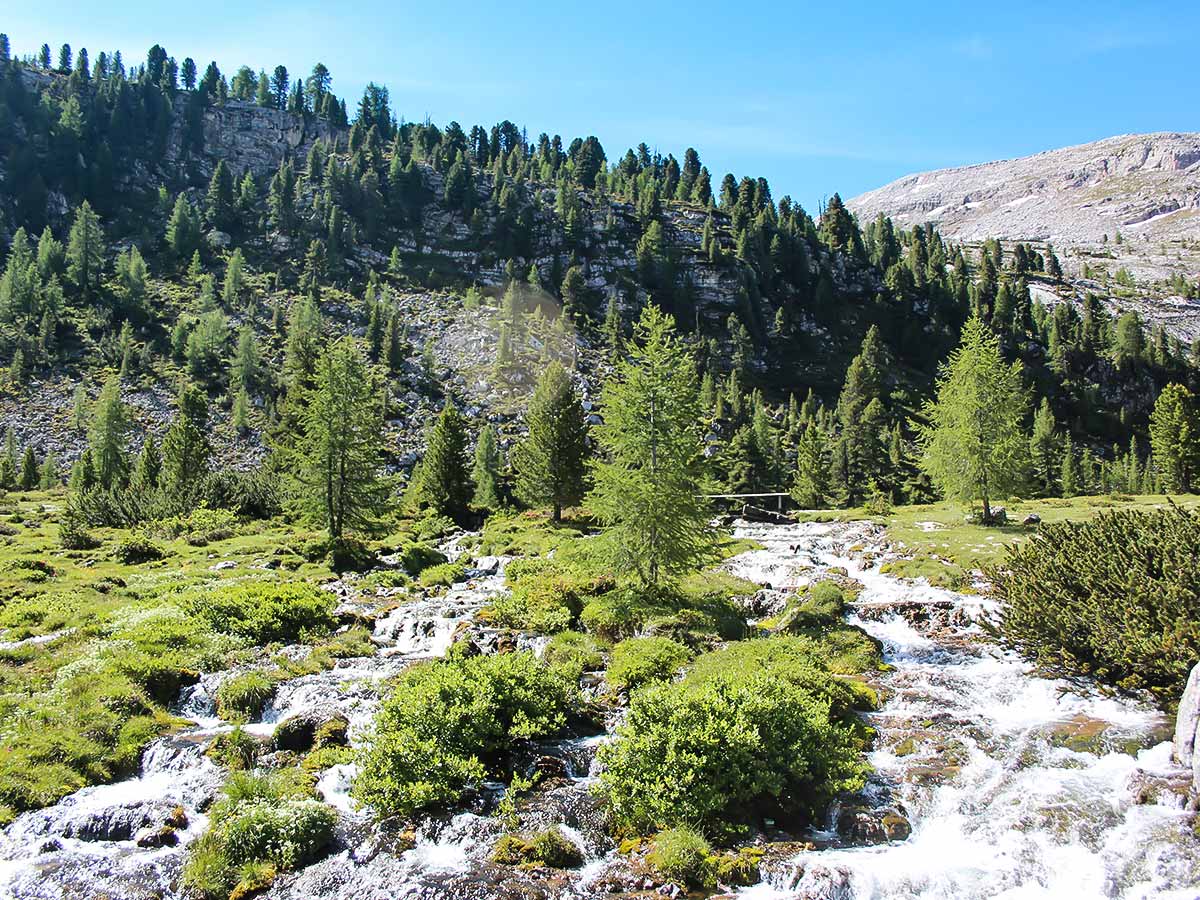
(165,221)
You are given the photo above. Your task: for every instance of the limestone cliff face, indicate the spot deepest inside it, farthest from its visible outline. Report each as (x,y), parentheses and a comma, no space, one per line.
(1139,185)
(250,137)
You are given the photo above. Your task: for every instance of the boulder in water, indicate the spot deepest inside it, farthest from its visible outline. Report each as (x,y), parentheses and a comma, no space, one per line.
(861,825)
(297,733)
(151,837)
(1187,723)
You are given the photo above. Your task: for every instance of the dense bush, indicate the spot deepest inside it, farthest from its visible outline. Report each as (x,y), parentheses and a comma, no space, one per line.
(757,729)
(350,554)
(636,661)
(448,723)
(416,557)
(265,611)
(442,575)
(262,824)
(1116,598)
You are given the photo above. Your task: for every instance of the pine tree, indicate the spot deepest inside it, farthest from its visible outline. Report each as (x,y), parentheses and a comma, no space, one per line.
(185,449)
(109,435)
(342,446)
(80,408)
(810,486)
(551,462)
(218,202)
(973,446)
(49,477)
(143,481)
(1175,438)
(444,485)
(28,478)
(231,293)
(486,473)
(241,412)
(303,342)
(1070,476)
(183,230)
(647,480)
(244,370)
(1043,449)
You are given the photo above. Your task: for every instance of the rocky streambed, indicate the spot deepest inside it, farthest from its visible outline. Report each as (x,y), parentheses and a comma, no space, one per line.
(989,781)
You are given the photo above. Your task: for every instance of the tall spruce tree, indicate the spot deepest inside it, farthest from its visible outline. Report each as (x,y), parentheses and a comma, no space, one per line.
(1175,438)
(647,476)
(1043,450)
(550,463)
(109,435)
(444,485)
(972,442)
(811,485)
(486,473)
(186,449)
(85,251)
(342,444)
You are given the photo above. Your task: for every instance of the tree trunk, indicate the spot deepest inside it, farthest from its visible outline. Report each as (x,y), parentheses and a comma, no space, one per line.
(557,517)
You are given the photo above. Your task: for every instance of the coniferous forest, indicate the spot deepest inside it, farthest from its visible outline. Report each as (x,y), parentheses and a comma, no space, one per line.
(368,480)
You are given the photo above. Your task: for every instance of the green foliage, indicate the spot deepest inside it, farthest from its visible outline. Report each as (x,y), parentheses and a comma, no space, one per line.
(486,473)
(647,478)
(448,723)
(574,652)
(442,575)
(545,595)
(636,661)
(546,848)
(757,729)
(1115,599)
(263,611)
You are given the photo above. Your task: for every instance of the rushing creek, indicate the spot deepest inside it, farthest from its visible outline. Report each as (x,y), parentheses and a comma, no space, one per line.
(1012,785)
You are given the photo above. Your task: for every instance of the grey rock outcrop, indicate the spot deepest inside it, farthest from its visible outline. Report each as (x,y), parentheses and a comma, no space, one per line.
(1187,723)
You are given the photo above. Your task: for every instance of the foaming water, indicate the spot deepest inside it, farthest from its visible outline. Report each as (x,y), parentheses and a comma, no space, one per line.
(1015,786)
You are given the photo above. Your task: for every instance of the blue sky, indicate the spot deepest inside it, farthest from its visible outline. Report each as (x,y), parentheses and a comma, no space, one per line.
(816,98)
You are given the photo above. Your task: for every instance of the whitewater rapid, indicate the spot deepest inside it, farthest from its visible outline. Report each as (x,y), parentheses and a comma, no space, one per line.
(1015,786)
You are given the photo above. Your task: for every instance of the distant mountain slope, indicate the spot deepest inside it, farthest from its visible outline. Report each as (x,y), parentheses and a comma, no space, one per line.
(1139,185)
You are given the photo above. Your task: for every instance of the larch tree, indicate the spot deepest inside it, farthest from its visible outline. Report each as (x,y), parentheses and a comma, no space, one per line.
(342,444)
(811,484)
(85,251)
(647,476)
(973,446)
(1043,449)
(551,462)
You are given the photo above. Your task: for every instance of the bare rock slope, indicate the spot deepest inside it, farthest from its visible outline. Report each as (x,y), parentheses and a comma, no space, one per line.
(1139,185)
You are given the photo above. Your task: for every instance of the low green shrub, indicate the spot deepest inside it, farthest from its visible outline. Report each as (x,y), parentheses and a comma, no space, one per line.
(265,611)
(546,848)
(138,548)
(442,575)
(260,825)
(758,729)
(449,722)
(416,557)
(544,596)
(199,527)
(574,652)
(682,854)
(636,661)
(237,750)
(243,697)
(1115,598)
(350,554)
